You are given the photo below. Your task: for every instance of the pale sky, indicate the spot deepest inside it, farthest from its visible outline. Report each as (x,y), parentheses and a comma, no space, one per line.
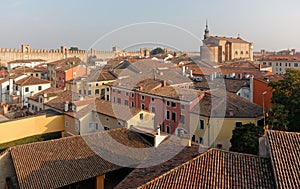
(269,24)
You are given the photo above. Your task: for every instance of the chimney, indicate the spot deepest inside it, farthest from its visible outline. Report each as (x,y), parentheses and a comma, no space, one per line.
(164,83)
(158,138)
(45,95)
(231,112)
(191,73)
(141,88)
(66,106)
(259,66)
(183,70)
(184,139)
(158,131)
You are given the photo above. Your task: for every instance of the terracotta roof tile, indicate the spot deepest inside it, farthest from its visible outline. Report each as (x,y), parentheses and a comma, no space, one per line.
(285,157)
(31,81)
(57,163)
(218,169)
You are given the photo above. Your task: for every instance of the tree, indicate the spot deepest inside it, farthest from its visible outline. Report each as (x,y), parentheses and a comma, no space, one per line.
(278,118)
(157,50)
(286,101)
(245,138)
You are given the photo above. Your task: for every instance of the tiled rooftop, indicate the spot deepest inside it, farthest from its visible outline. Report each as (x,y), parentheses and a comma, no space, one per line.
(31,81)
(211,105)
(285,157)
(57,163)
(218,169)
(140,176)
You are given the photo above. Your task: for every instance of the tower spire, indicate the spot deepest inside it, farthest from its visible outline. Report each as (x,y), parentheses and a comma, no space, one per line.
(206,31)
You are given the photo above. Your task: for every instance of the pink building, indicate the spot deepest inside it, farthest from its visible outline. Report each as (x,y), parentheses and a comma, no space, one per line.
(170,104)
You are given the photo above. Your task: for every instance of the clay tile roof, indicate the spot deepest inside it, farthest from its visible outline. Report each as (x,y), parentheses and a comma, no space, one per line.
(285,153)
(240,107)
(177,93)
(31,81)
(231,40)
(61,162)
(26,61)
(140,176)
(106,108)
(218,169)
(51,91)
(116,110)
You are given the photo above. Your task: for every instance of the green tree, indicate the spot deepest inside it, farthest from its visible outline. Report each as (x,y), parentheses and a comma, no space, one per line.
(245,138)
(278,118)
(286,101)
(157,50)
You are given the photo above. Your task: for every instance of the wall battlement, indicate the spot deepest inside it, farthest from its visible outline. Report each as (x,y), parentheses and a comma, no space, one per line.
(25,53)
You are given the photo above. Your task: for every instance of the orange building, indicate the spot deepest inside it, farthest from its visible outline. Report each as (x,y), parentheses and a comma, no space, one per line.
(262,93)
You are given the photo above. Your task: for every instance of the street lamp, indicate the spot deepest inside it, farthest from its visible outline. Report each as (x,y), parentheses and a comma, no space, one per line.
(263,101)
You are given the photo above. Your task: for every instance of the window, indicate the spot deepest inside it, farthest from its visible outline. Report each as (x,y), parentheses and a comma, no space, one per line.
(36,75)
(141,116)
(84,92)
(174,116)
(7,87)
(26,89)
(107,119)
(276,63)
(132,95)
(152,99)
(39,88)
(168,103)
(247,52)
(132,104)
(200,140)
(114,99)
(167,129)
(96,115)
(182,119)
(168,114)
(79,91)
(119,100)
(270,63)
(89,92)
(142,106)
(91,127)
(280,64)
(106,128)
(97,84)
(126,93)
(286,64)
(66,123)
(90,85)
(97,91)
(236,53)
(142,97)
(193,138)
(119,92)
(114,90)
(96,126)
(182,106)
(242,52)
(76,126)
(201,124)
(264,63)
(174,104)
(41,100)
(107,89)
(152,109)
(295,64)
(126,102)
(219,146)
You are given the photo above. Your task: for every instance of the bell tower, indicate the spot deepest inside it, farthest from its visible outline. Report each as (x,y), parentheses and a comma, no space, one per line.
(206,31)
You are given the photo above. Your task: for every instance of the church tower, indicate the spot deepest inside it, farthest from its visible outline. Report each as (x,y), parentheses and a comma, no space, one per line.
(206,31)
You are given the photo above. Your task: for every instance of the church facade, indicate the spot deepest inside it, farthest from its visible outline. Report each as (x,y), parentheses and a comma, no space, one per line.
(223,49)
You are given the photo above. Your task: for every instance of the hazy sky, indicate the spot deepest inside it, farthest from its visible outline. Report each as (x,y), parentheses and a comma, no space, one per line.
(269,24)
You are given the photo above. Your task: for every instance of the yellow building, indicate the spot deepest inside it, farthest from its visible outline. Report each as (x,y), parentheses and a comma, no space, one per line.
(222,49)
(103,115)
(92,85)
(215,117)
